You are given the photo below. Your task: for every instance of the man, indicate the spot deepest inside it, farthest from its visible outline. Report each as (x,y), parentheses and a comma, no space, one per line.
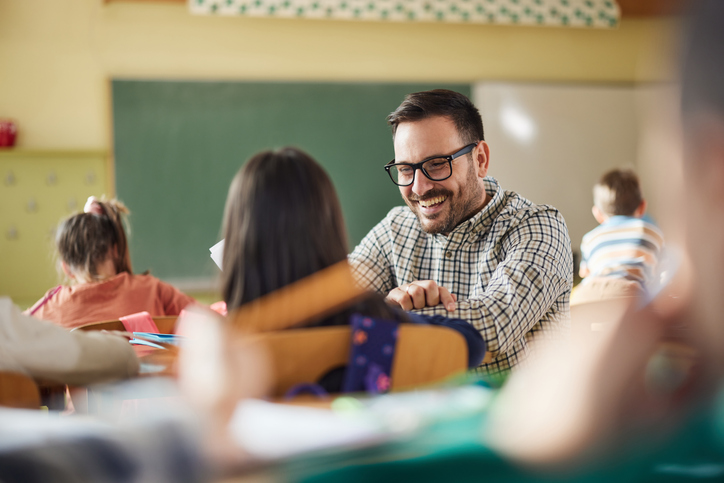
(622,407)
(463,246)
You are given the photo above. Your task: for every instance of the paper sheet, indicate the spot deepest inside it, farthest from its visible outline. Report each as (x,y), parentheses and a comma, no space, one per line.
(269,431)
(217,253)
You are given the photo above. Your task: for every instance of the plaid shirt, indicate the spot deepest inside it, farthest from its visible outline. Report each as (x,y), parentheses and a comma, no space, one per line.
(510,267)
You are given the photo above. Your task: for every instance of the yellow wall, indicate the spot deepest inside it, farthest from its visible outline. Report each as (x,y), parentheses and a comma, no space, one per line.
(38,189)
(56,56)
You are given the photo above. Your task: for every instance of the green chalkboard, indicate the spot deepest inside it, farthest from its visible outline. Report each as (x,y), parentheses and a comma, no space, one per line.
(178,145)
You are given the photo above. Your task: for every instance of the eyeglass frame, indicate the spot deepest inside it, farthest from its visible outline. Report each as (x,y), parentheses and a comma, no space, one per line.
(415,166)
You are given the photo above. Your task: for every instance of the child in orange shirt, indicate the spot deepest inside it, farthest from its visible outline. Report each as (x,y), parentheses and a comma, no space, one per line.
(93,252)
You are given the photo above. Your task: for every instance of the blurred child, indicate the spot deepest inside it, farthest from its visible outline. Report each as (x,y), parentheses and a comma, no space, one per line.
(620,256)
(93,252)
(51,354)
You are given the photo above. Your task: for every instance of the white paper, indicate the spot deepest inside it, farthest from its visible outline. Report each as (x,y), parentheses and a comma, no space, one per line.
(217,253)
(269,430)
(22,428)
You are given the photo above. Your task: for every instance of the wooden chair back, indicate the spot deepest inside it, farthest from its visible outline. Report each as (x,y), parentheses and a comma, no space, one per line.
(311,298)
(424,355)
(165,324)
(18,391)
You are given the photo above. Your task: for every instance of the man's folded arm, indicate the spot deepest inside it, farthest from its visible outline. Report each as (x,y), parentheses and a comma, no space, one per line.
(537,270)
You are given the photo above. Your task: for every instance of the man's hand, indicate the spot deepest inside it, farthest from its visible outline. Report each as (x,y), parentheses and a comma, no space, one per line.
(422,293)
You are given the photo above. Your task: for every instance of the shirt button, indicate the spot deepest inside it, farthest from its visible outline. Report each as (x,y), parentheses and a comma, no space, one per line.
(448,254)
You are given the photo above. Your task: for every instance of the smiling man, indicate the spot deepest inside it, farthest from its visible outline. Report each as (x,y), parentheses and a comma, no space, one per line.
(463,246)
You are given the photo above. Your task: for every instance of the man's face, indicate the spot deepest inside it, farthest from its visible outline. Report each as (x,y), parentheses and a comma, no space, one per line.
(440,206)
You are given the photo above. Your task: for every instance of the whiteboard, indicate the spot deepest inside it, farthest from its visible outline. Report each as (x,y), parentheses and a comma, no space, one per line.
(552,142)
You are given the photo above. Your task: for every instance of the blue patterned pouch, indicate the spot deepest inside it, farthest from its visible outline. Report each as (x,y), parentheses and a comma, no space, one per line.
(373,350)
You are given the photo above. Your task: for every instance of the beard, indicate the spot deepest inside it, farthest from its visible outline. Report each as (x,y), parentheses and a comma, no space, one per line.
(460,206)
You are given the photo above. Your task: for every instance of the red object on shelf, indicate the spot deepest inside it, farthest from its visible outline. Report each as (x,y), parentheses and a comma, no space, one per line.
(8,133)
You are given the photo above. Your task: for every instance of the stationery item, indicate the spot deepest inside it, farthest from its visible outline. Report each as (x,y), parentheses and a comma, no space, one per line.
(271,431)
(217,253)
(369,365)
(373,350)
(45,299)
(147,343)
(219,307)
(148,368)
(172,339)
(305,388)
(140,322)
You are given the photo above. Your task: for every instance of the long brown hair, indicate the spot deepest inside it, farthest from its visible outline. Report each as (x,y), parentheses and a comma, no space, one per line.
(85,240)
(283,222)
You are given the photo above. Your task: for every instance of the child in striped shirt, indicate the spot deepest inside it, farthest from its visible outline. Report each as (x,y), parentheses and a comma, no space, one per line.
(620,256)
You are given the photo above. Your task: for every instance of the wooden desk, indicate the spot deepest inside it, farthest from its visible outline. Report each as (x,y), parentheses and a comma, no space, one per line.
(162,359)
(18,391)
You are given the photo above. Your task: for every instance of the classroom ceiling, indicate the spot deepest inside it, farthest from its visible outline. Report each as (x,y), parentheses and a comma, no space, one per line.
(629,8)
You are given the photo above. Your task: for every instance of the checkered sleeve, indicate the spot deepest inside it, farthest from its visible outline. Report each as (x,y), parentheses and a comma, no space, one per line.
(535,270)
(369,260)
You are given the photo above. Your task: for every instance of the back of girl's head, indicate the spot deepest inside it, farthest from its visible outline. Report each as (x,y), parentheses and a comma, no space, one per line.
(282,222)
(85,240)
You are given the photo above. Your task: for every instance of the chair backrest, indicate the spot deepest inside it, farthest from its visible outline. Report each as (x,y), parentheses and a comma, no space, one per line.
(310,298)
(165,324)
(18,391)
(424,354)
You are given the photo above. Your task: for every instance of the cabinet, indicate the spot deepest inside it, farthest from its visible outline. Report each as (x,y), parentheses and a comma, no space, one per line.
(37,190)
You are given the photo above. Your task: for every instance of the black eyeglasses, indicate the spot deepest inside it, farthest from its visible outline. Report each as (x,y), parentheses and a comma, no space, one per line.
(437,168)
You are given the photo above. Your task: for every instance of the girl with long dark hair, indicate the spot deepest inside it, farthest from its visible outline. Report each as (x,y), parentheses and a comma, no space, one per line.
(283,222)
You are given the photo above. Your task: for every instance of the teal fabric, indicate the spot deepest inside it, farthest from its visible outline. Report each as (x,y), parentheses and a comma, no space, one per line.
(452,451)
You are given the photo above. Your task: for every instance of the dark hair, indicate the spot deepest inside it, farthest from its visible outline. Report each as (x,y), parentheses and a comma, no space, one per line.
(85,240)
(440,102)
(283,222)
(618,193)
(702,73)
